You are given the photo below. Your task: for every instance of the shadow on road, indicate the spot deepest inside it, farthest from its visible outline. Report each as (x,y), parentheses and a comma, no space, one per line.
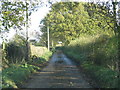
(61,72)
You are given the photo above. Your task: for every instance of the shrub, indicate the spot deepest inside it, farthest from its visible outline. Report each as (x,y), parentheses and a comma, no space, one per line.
(16,74)
(98,56)
(105,77)
(100,50)
(16,50)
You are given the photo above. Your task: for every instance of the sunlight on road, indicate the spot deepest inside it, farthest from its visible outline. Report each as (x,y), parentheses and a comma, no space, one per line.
(61,72)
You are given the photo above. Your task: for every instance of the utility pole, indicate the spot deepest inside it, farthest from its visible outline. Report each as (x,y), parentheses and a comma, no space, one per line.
(48,37)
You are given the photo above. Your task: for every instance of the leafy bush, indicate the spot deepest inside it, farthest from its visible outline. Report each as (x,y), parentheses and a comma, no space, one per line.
(105,77)
(52,49)
(41,59)
(47,55)
(16,50)
(98,56)
(100,50)
(16,74)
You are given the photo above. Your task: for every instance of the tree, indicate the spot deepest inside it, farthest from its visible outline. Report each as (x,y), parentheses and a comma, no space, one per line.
(15,50)
(15,15)
(100,18)
(12,14)
(66,20)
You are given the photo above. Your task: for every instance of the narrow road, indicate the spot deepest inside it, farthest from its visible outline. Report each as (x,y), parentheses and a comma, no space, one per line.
(61,72)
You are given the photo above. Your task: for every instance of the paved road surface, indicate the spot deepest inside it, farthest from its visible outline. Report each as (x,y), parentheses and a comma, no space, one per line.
(61,72)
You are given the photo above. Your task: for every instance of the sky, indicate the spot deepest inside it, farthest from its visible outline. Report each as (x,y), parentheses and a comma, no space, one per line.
(38,15)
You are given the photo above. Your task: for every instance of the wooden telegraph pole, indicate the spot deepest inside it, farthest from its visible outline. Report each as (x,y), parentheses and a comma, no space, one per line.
(48,38)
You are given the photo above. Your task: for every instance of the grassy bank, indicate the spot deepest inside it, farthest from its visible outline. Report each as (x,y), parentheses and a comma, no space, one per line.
(16,74)
(97,55)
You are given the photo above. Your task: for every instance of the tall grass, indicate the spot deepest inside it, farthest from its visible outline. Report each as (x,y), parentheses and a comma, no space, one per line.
(15,75)
(98,56)
(99,49)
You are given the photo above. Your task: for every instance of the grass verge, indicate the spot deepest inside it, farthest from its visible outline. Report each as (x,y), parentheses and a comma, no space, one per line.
(16,74)
(105,77)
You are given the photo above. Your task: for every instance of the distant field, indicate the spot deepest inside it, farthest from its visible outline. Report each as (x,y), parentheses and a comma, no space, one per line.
(37,50)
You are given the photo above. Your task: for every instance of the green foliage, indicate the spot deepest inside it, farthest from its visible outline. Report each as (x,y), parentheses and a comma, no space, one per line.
(100,18)
(52,49)
(98,57)
(96,48)
(100,50)
(66,21)
(15,50)
(105,77)
(69,20)
(12,14)
(41,59)
(14,76)
(47,55)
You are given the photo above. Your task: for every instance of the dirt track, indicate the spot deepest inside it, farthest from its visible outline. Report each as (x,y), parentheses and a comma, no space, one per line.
(61,72)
